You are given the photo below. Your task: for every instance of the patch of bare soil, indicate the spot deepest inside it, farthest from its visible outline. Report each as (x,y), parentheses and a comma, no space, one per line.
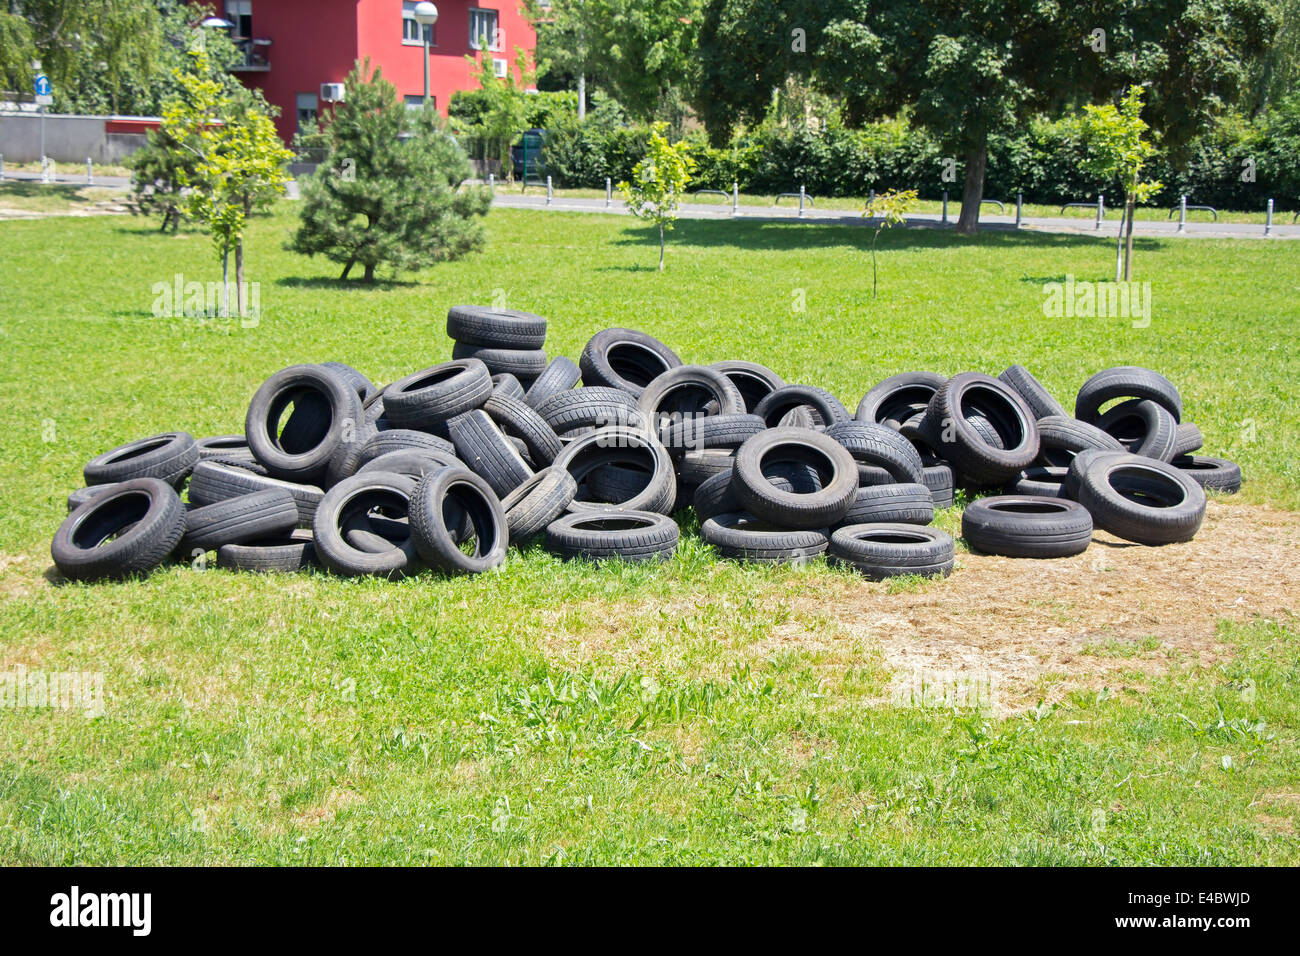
(1037,628)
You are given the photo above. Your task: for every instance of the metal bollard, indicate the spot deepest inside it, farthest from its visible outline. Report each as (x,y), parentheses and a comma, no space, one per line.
(1101,208)
(801,197)
(735,198)
(90,174)
(945,207)
(1182,213)
(45,169)
(609,192)
(1020,201)
(492,183)
(548,190)
(1268,221)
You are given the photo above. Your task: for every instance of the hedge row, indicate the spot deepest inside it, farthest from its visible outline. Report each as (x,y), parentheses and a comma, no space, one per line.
(1043,161)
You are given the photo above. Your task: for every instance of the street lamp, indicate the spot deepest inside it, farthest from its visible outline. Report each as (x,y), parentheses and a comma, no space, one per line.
(426,15)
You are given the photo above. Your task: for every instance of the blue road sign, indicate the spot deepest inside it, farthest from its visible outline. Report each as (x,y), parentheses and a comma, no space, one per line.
(43,87)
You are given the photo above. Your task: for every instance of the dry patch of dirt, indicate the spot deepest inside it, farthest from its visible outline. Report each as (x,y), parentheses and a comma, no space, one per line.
(1034,628)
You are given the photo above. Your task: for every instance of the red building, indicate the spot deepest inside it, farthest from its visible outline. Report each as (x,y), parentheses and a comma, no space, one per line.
(292,47)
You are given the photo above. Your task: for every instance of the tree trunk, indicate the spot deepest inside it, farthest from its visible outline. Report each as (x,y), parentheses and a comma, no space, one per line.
(346,269)
(1128,239)
(661,247)
(239,276)
(977,158)
(225,280)
(1119,249)
(370,273)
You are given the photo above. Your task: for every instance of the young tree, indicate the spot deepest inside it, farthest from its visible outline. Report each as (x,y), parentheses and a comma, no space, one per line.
(658,182)
(389,191)
(238,160)
(502,108)
(890,207)
(158,170)
(1118,149)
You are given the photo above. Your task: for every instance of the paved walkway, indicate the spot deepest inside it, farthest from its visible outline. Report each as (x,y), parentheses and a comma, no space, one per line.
(1282,226)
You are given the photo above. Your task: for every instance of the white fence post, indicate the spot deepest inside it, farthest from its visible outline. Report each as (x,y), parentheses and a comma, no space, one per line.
(1101,208)
(548,190)
(609,192)
(1268,222)
(735,198)
(801,198)
(1182,213)
(1020,201)
(90,174)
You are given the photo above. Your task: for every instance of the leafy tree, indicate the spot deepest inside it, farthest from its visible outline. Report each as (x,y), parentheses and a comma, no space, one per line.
(890,208)
(238,160)
(1118,148)
(389,190)
(658,183)
(159,171)
(500,108)
(970,69)
(644,51)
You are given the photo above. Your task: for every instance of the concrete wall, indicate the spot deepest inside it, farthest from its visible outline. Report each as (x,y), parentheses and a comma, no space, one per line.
(70,139)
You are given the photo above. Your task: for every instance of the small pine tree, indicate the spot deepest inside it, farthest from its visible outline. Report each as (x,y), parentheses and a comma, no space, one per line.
(389,189)
(158,171)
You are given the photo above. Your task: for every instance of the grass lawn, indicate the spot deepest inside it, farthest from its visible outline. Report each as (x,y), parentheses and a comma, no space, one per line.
(698,712)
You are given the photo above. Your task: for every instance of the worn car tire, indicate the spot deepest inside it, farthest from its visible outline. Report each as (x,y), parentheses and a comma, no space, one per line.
(1141,499)
(495,328)
(947,427)
(437,394)
(625,359)
(908,503)
(1126,381)
(464,497)
(1142,427)
(129,529)
(354,500)
(306,457)
(488,452)
(524,364)
(260,514)
(743,537)
(291,552)
(613,533)
(872,444)
(537,502)
(755,382)
(619,445)
(1027,526)
(1039,399)
(879,551)
(215,481)
(514,417)
(899,398)
(826,408)
(169,457)
(1213,474)
(834,465)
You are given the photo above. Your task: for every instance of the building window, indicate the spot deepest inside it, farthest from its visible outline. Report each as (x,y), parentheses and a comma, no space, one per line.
(307,112)
(483,26)
(411,27)
(240,13)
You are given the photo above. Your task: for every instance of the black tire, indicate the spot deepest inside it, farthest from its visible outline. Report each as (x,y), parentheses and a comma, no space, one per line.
(306,457)
(414,462)
(869,475)
(261,514)
(835,467)
(942,484)
(625,359)
(402,439)
(715,495)
(590,407)
(1040,481)
(514,417)
(899,398)
(487,452)
(613,533)
(1060,438)
(215,481)
(688,392)
(351,501)
(1039,399)
(79,497)
(559,376)
(364,387)
(1142,427)
(947,427)
(1027,526)
(696,467)
(495,328)
(880,551)
(169,457)
(437,394)
(621,446)
(872,444)
(462,496)
(347,457)
(1213,474)
(537,502)
(291,552)
(910,503)
(789,398)
(1189,439)
(129,529)
(755,382)
(742,537)
(523,364)
(224,446)
(710,431)
(1126,381)
(1141,499)
(506,384)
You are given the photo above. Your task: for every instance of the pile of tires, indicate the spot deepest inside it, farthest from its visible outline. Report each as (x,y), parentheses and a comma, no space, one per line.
(446,467)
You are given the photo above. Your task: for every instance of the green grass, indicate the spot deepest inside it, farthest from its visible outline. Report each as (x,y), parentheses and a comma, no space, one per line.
(689,713)
(28,196)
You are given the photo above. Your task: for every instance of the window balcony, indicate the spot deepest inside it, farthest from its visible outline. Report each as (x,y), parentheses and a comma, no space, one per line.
(255,55)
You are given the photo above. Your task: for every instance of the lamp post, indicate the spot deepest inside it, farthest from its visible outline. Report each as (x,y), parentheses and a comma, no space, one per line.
(426,15)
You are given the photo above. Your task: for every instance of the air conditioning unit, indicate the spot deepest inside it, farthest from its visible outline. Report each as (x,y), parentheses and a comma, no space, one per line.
(331,92)
(500,67)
